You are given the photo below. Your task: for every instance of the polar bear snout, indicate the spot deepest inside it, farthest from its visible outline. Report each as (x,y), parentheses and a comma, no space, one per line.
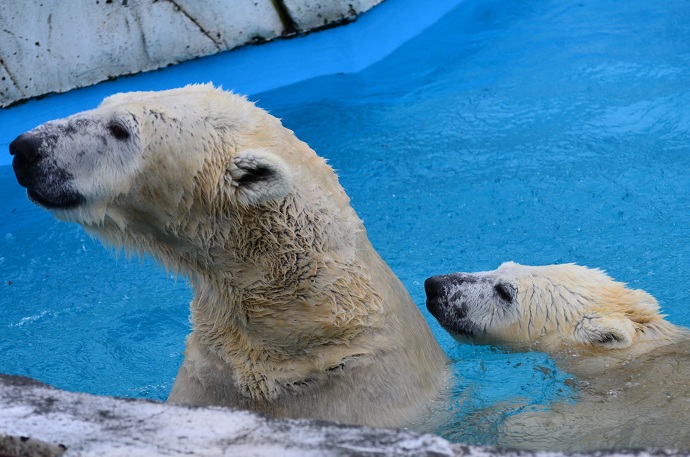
(47,185)
(444,291)
(445,301)
(433,287)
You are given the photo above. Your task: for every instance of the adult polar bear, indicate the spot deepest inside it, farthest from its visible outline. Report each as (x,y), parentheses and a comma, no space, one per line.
(632,365)
(294,313)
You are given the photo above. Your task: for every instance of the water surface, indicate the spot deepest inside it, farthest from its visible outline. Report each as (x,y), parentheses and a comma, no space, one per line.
(535,131)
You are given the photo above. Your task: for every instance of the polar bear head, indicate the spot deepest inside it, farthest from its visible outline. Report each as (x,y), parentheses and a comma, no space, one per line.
(178,170)
(544,307)
(152,146)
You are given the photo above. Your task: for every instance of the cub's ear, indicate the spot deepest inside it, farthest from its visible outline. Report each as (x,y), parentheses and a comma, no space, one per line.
(605,332)
(258,175)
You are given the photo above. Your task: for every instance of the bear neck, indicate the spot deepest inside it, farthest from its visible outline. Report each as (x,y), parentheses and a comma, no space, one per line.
(282,290)
(284,299)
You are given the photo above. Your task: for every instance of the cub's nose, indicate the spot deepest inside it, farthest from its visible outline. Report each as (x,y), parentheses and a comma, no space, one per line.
(434,294)
(432,287)
(25,151)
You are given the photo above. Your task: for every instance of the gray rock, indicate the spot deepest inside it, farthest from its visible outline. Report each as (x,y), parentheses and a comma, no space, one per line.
(38,420)
(57,46)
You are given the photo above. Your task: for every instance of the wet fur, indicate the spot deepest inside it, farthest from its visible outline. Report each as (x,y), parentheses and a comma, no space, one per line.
(630,364)
(549,308)
(294,313)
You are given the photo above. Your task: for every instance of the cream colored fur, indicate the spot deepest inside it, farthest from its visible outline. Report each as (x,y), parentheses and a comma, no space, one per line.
(570,306)
(630,365)
(294,313)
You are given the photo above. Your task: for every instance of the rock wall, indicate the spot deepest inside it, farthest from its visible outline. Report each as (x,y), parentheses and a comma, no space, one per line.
(38,420)
(57,46)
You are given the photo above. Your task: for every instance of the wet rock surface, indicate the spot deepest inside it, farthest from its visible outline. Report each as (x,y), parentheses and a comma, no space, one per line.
(38,420)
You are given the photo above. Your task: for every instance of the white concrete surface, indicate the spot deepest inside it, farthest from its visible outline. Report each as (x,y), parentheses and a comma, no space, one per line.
(57,46)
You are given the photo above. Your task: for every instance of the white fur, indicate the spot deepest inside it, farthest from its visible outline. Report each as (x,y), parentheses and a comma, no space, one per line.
(294,313)
(631,364)
(554,307)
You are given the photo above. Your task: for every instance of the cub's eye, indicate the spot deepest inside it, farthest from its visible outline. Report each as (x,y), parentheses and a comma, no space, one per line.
(118,131)
(505,291)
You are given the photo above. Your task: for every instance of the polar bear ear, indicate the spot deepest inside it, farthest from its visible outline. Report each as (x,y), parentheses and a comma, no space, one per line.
(258,175)
(606,332)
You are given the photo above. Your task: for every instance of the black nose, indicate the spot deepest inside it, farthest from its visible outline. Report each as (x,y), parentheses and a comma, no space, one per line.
(434,290)
(25,149)
(433,287)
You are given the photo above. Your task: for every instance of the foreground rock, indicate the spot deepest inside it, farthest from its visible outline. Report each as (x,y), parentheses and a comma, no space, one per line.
(38,420)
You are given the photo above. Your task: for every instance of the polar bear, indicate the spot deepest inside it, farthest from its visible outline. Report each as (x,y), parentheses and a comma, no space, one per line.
(632,365)
(548,308)
(294,313)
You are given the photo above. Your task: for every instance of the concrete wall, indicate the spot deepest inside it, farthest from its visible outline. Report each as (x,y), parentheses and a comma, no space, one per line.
(57,46)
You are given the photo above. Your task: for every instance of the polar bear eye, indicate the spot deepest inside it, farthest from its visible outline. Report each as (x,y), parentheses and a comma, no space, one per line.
(118,131)
(505,291)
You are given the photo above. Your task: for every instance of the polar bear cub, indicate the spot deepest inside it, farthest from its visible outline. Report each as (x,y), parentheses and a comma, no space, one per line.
(630,365)
(294,313)
(549,308)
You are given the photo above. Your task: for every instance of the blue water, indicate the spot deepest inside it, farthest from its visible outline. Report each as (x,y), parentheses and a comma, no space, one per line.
(535,131)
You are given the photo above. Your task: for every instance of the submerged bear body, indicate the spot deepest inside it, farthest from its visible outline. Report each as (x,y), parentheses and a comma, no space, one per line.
(631,366)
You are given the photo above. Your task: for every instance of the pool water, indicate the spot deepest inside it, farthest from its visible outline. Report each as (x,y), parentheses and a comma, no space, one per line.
(536,131)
